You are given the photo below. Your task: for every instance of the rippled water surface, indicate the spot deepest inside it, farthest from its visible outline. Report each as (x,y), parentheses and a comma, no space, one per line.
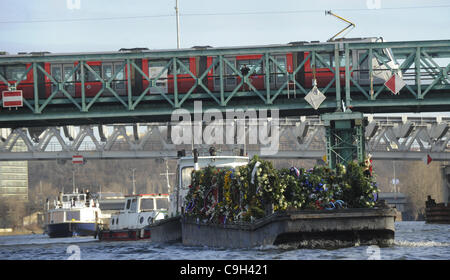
(413,240)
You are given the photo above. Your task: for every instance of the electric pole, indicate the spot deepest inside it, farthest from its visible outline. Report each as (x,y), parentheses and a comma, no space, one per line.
(178,23)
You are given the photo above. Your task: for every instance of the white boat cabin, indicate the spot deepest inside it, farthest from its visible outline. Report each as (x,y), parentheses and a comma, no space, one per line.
(73,207)
(140,211)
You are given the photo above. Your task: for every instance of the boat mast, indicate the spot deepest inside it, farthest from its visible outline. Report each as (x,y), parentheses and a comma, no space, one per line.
(134,182)
(73,181)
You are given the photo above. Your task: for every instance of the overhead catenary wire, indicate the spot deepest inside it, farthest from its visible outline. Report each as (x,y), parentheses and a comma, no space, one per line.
(245,13)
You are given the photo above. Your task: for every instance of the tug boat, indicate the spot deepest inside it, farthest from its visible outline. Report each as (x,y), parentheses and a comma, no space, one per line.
(436,213)
(73,214)
(132,222)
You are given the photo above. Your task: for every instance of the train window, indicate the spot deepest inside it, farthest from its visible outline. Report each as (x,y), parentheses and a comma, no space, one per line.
(107,71)
(274,69)
(155,67)
(341,61)
(67,70)
(250,64)
(180,69)
(327,60)
(14,72)
(90,76)
(157,63)
(56,72)
(364,66)
(120,75)
(3,71)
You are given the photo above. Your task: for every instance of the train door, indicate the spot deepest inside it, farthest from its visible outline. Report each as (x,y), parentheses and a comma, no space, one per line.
(119,81)
(61,72)
(230,80)
(361,71)
(70,85)
(107,73)
(154,69)
(277,78)
(56,72)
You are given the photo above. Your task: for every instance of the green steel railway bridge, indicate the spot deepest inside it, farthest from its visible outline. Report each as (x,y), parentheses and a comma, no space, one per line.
(423,68)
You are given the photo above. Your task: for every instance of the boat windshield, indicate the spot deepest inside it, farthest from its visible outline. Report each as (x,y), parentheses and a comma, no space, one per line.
(162,203)
(133,207)
(147,204)
(186,177)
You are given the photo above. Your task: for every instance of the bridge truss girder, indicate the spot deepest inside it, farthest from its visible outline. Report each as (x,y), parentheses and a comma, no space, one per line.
(301,138)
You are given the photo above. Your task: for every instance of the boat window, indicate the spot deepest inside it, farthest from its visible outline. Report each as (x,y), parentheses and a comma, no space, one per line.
(65,199)
(133,207)
(128,204)
(162,203)
(147,204)
(72,215)
(186,173)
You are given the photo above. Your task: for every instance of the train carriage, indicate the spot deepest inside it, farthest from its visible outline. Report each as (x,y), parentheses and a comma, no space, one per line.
(189,68)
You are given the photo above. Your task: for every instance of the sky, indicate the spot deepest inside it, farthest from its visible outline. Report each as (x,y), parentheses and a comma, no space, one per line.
(100,25)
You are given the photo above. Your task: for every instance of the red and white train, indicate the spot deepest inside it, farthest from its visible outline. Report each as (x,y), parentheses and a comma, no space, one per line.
(197,66)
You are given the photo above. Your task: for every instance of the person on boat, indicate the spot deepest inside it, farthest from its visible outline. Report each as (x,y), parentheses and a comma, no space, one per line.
(88,197)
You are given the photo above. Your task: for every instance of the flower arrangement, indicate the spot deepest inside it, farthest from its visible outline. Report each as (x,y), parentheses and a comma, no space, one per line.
(223,195)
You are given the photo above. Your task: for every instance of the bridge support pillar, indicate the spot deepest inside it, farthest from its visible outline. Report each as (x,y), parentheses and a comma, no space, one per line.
(344,134)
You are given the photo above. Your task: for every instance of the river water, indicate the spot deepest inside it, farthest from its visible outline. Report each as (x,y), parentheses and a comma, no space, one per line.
(413,240)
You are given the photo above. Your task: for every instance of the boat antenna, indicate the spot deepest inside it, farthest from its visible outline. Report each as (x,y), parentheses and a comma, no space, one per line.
(350,24)
(73,181)
(167,175)
(134,182)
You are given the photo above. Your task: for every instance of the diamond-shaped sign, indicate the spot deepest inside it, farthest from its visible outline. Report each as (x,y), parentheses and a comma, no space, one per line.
(395,83)
(315,97)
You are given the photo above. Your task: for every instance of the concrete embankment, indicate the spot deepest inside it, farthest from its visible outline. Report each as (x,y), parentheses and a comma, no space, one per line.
(305,229)
(166,230)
